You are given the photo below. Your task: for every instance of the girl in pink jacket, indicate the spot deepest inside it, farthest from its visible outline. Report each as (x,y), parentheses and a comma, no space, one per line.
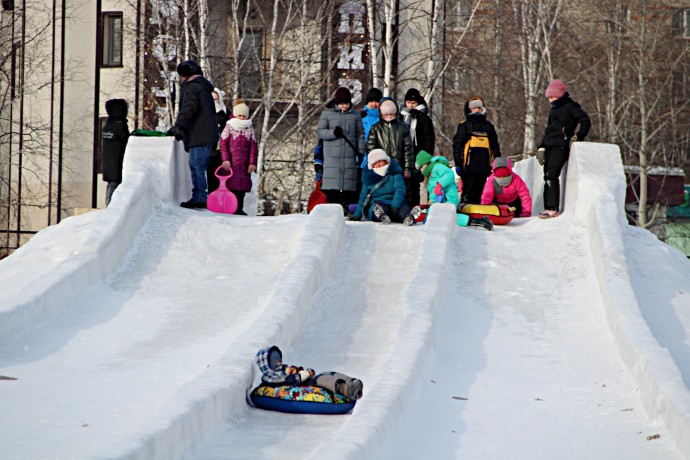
(505,187)
(238,150)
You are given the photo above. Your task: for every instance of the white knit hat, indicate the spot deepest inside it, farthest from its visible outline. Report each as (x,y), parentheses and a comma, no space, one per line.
(377,155)
(241,109)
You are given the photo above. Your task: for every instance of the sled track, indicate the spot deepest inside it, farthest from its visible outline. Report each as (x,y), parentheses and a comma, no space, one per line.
(315,299)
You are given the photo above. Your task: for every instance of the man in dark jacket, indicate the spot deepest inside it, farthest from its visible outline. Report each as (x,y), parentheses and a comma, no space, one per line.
(473,163)
(197,126)
(415,114)
(554,149)
(114,137)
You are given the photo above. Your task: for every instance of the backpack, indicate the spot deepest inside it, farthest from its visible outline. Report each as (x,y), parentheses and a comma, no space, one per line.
(477,145)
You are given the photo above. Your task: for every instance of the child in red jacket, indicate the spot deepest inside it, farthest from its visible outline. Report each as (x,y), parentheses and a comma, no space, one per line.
(505,187)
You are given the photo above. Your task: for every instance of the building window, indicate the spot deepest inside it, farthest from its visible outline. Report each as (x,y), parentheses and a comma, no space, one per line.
(681,22)
(111,39)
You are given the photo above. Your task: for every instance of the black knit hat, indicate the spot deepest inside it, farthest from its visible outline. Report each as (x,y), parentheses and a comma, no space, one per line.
(342,95)
(412,94)
(374,94)
(189,68)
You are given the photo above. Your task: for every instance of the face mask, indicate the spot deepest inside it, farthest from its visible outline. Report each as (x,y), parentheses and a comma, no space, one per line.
(382,170)
(504,181)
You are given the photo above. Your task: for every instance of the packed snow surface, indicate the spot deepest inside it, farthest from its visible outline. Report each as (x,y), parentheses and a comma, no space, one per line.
(131,331)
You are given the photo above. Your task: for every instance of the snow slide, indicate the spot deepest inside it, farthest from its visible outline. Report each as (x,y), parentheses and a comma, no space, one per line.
(132,330)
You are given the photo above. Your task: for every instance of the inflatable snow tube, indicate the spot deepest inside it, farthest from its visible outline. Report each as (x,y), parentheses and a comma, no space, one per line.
(300,399)
(499,214)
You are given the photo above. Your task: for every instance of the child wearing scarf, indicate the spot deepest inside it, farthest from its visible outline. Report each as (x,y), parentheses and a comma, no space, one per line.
(505,187)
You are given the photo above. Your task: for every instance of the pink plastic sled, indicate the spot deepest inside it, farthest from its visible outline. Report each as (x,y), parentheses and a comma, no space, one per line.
(222,200)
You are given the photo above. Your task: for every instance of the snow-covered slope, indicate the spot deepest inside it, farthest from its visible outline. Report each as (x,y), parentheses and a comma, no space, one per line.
(131,331)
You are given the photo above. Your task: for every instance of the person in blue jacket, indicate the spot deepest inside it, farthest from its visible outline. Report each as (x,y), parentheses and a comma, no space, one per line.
(275,373)
(383,192)
(370,113)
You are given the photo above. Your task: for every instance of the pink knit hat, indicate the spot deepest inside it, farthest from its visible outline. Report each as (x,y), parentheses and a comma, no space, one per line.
(556,89)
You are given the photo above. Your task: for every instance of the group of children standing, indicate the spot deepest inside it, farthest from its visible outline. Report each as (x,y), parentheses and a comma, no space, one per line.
(394,147)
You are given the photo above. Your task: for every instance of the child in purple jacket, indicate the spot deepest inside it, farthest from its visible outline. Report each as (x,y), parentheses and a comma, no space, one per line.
(238,150)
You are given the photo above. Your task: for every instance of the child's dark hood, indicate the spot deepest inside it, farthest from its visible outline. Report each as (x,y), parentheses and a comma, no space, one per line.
(116,108)
(369,177)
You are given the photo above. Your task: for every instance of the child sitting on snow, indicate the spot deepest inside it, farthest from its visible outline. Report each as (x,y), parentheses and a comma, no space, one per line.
(275,373)
(505,187)
(383,191)
(443,188)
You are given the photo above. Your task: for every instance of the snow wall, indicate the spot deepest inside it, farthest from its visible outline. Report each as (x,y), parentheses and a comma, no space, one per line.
(84,250)
(597,169)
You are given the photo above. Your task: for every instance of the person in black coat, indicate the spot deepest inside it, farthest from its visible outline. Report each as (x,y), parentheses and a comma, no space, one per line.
(114,137)
(553,152)
(222,115)
(475,167)
(197,126)
(415,114)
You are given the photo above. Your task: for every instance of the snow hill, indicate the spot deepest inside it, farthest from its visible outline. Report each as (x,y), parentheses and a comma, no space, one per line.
(131,331)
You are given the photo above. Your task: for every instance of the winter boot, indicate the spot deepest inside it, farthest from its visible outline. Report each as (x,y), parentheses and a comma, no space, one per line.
(380,214)
(548,214)
(411,217)
(352,389)
(482,222)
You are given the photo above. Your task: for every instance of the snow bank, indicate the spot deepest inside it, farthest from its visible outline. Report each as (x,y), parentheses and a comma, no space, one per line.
(43,277)
(597,168)
(375,424)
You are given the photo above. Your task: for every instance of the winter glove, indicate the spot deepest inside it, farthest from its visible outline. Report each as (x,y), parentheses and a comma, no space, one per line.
(407,173)
(438,198)
(338,131)
(438,189)
(177,132)
(540,155)
(363,113)
(304,375)
(458,171)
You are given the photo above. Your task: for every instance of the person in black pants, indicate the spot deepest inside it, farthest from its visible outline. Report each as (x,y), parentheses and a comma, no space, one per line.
(553,152)
(415,114)
(475,145)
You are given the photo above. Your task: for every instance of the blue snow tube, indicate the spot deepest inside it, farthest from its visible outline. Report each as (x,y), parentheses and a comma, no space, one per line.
(300,399)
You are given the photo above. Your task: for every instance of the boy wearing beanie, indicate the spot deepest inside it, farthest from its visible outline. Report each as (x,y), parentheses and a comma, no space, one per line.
(370,113)
(415,114)
(393,136)
(553,152)
(475,145)
(443,188)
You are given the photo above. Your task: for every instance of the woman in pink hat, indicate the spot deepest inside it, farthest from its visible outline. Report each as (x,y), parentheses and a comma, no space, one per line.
(564,117)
